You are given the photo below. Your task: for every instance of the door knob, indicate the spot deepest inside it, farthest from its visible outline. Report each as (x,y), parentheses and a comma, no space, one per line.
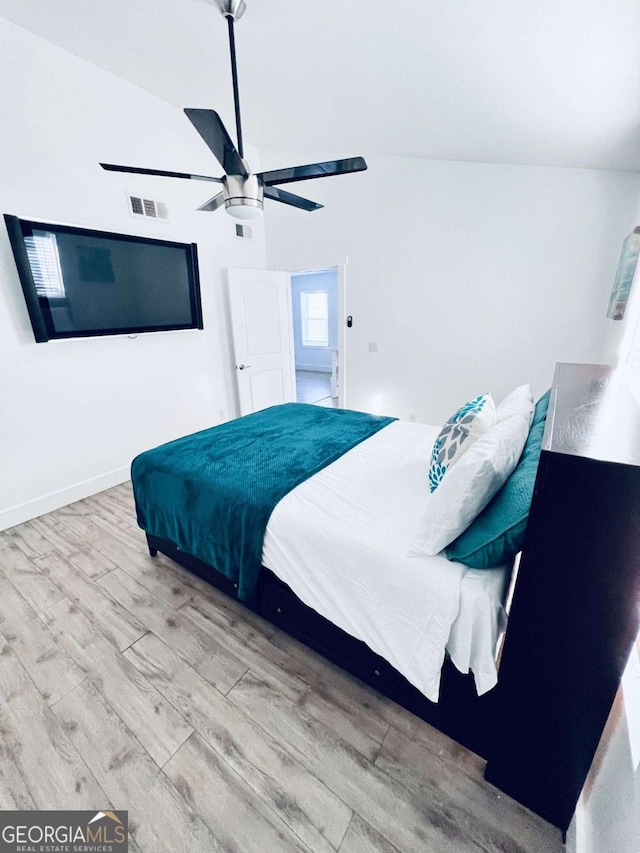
(243,366)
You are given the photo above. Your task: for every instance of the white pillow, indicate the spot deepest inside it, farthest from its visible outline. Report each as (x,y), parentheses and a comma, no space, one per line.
(518,402)
(464,427)
(470,485)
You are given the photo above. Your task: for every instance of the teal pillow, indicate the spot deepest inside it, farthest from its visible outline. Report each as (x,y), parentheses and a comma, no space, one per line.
(496,535)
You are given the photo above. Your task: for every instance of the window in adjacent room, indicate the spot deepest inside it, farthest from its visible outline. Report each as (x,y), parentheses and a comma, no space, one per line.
(314,318)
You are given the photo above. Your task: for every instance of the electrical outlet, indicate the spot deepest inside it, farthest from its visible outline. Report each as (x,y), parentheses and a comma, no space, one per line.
(222,415)
(412,417)
(373,346)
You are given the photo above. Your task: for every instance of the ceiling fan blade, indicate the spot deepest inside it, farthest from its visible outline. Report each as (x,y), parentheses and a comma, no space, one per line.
(313,170)
(210,127)
(162,173)
(213,203)
(289,198)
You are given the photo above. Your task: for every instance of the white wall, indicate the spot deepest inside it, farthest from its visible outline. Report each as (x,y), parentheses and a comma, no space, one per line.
(470,276)
(619,334)
(74,413)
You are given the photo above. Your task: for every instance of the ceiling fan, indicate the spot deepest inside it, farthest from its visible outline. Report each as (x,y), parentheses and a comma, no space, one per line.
(243,191)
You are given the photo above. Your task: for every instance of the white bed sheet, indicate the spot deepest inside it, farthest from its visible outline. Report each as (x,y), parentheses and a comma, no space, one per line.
(340,541)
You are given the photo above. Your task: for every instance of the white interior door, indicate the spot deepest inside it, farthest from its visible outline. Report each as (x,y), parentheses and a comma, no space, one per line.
(262,330)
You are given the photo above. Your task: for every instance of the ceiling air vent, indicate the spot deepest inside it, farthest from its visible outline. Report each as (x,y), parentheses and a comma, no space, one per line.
(147,208)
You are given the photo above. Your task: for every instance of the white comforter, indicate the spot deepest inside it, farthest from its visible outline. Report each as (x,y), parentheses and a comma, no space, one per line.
(340,541)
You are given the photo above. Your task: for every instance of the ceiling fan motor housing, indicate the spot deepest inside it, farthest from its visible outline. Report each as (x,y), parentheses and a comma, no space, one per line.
(245,192)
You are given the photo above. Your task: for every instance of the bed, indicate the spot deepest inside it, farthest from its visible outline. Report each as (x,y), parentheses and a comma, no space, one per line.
(340,541)
(334,545)
(334,569)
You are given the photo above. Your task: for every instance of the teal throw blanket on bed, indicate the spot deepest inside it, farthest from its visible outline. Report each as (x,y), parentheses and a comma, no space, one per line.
(212,493)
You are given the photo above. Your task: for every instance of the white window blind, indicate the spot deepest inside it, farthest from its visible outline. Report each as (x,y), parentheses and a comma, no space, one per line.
(314,313)
(44,260)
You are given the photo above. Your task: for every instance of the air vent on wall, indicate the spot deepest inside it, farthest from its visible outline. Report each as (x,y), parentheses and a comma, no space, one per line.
(243,231)
(148,208)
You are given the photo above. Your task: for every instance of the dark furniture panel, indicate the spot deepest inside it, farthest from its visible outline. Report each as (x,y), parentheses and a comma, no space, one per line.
(574,615)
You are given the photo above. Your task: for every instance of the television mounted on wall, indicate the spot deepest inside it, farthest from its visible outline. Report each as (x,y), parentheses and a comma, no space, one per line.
(82,283)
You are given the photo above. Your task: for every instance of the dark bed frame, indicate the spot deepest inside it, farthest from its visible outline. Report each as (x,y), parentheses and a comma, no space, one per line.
(459,713)
(574,615)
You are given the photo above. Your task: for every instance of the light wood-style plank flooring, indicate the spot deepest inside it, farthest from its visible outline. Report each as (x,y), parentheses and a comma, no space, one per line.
(312,386)
(127,683)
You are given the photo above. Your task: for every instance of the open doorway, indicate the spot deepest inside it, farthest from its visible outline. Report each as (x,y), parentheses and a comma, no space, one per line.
(314,296)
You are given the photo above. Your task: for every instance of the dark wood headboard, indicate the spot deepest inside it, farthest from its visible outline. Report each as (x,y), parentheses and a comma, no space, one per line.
(574,616)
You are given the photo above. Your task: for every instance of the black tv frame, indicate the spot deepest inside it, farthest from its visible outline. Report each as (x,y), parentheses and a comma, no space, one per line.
(38,310)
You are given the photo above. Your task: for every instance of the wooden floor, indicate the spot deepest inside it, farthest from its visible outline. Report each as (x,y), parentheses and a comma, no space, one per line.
(312,386)
(127,683)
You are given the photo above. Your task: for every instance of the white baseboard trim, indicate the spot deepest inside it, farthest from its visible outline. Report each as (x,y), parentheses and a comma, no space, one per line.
(314,368)
(48,503)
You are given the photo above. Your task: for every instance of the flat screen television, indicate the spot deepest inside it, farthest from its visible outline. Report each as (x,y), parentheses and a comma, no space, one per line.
(81,283)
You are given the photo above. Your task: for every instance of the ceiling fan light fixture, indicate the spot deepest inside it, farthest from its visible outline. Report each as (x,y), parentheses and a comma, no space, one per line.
(243,197)
(244,208)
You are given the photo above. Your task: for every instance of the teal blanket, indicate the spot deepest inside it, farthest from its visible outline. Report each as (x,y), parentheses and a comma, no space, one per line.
(212,493)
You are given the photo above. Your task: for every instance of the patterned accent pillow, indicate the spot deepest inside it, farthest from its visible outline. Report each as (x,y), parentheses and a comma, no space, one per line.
(458,434)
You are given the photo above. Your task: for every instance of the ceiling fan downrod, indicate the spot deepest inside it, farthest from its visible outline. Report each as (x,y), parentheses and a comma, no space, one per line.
(236,93)
(233,10)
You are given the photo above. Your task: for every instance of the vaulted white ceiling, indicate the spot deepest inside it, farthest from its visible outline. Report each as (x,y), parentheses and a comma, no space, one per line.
(550,82)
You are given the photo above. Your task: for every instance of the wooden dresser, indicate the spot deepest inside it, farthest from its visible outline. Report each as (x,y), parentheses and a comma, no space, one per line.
(574,615)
